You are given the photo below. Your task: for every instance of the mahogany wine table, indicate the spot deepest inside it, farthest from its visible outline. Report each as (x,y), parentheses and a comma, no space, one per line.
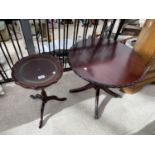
(105,64)
(38,72)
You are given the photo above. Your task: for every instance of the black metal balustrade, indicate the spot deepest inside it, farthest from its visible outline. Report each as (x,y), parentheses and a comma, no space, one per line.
(28,37)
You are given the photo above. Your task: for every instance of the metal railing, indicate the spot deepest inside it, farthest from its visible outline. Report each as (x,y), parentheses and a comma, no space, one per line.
(26,37)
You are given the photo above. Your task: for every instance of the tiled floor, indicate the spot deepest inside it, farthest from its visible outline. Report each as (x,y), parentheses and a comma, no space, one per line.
(131,114)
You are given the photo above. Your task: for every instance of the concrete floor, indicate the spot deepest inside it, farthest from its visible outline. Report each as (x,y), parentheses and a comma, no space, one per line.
(131,114)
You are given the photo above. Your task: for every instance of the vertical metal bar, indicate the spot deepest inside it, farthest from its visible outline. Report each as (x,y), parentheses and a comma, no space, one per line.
(111,28)
(35,28)
(40,28)
(53,35)
(95,28)
(6,48)
(77,29)
(74,30)
(66,53)
(5,56)
(104,28)
(85,29)
(26,31)
(87,25)
(119,29)
(48,35)
(3,71)
(67,37)
(59,34)
(14,31)
(2,76)
(64,31)
(12,41)
(64,34)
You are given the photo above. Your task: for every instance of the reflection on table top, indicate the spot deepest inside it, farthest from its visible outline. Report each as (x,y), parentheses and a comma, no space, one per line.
(106,63)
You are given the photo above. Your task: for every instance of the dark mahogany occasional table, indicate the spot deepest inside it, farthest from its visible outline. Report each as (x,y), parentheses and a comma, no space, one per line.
(38,72)
(105,64)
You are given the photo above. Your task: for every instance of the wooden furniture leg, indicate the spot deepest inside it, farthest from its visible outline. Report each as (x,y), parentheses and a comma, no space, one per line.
(97,94)
(42,114)
(97,91)
(45,99)
(108,91)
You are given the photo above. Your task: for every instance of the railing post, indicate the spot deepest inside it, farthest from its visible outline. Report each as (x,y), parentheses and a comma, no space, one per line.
(119,28)
(26,30)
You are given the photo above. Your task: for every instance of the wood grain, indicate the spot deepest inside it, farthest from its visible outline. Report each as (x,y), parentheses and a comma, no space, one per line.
(145,47)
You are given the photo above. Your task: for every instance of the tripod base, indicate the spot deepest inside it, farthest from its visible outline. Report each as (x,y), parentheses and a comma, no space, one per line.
(43,96)
(97,93)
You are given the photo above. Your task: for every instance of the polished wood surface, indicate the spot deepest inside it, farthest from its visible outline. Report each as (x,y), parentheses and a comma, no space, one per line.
(106,63)
(37,71)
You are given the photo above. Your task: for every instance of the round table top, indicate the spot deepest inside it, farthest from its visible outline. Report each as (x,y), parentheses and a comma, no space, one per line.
(37,71)
(106,63)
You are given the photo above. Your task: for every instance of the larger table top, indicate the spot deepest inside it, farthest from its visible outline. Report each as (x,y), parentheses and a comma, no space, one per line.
(106,63)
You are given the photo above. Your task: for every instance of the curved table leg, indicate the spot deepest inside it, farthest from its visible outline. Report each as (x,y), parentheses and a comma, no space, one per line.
(55,98)
(96,103)
(108,91)
(97,88)
(88,86)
